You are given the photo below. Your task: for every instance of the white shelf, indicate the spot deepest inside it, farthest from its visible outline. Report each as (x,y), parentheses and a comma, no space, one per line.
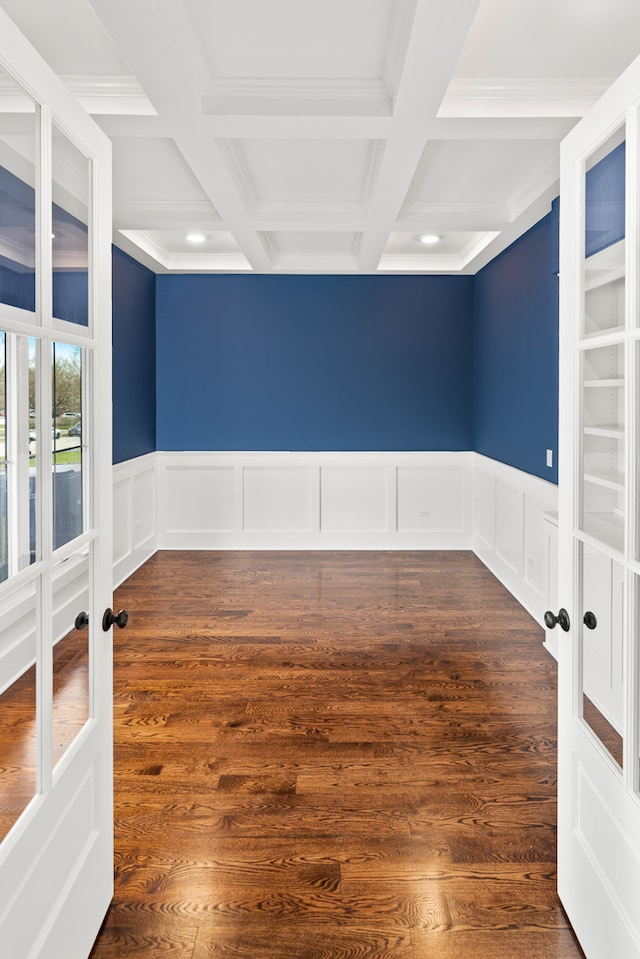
(613,481)
(605,384)
(606,528)
(604,267)
(614,432)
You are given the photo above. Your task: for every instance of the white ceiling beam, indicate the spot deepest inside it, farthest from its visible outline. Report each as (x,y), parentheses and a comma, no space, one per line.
(437,34)
(522,96)
(155,39)
(341,128)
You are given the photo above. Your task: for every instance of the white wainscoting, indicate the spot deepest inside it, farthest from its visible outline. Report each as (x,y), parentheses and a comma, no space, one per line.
(511,532)
(314,500)
(193,500)
(135,514)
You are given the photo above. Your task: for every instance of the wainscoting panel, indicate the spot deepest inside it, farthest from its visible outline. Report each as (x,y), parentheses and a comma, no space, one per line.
(314,500)
(431,500)
(198,498)
(510,526)
(510,534)
(279,500)
(354,500)
(134,514)
(484,512)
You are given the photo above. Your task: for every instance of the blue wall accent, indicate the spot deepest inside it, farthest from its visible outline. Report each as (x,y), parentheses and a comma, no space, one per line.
(134,358)
(515,368)
(17,281)
(314,363)
(604,202)
(17,201)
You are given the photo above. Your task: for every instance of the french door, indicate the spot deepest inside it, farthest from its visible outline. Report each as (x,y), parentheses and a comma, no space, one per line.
(599,728)
(56,818)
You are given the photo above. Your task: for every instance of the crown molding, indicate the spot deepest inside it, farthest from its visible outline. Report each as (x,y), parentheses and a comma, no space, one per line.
(296,96)
(17,254)
(315,263)
(186,262)
(165,214)
(434,262)
(452,215)
(522,96)
(547,178)
(103,94)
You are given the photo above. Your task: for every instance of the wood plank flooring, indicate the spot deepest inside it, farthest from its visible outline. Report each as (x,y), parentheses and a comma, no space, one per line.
(332,756)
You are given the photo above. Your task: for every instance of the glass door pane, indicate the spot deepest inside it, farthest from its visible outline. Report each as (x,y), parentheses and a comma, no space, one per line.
(68,519)
(602,437)
(603,444)
(18,462)
(17,196)
(70,691)
(602,648)
(70,234)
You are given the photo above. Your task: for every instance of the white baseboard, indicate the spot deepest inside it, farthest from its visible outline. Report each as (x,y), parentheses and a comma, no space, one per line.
(227,501)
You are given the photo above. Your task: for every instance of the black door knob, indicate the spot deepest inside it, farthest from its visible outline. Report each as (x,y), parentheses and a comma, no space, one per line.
(589,620)
(562,620)
(112,619)
(82,620)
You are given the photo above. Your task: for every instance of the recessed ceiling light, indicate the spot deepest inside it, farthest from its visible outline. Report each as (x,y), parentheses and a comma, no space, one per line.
(429,238)
(196,237)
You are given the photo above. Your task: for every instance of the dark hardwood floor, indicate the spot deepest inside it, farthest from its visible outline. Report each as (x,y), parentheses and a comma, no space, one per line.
(332,756)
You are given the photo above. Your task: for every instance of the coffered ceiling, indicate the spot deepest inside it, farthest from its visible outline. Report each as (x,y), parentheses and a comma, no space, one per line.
(308,136)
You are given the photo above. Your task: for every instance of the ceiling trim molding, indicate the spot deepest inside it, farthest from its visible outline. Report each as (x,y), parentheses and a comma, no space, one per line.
(404,14)
(234,160)
(522,96)
(315,263)
(296,96)
(437,263)
(17,254)
(187,262)
(544,180)
(165,214)
(105,94)
(452,215)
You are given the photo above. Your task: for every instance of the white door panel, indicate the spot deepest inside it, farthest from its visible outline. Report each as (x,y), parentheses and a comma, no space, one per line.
(56,797)
(598,716)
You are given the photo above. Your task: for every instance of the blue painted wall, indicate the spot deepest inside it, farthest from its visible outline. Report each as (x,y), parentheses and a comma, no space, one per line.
(134,358)
(515,344)
(314,363)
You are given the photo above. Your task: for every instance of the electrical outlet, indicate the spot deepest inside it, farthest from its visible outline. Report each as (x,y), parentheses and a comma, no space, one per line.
(550,458)
(423,513)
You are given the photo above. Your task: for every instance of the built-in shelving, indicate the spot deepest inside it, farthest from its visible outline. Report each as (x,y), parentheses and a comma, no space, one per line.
(606,266)
(604,291)
(613,481)
(615,431)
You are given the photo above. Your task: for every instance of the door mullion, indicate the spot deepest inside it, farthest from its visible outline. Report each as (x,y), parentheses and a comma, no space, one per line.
(44,485)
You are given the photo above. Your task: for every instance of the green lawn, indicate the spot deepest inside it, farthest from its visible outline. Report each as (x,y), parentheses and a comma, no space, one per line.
(61,458)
